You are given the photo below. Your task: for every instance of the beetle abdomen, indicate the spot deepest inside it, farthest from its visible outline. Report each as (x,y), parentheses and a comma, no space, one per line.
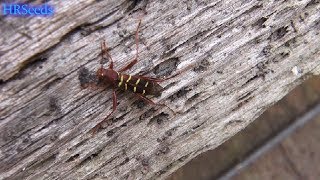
(138,84)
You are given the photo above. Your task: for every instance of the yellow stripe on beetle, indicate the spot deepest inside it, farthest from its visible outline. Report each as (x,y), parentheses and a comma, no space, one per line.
(146,84)
(121,80)
(137,82)
(134,89)
(144,91)
(128,79)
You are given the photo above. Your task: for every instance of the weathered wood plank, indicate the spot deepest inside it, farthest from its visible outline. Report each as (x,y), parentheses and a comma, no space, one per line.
(242,54)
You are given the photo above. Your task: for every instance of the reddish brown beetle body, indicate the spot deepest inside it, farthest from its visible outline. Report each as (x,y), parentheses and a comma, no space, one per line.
(139,85)
(107,76)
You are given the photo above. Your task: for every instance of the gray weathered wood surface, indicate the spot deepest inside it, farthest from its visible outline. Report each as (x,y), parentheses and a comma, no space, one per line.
(245,55)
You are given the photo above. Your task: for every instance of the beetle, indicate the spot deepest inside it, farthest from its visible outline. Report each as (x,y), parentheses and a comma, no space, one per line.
(140,85)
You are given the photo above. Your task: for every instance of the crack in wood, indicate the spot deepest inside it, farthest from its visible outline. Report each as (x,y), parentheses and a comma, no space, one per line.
(312,3)
(159,119)
(278,33)
(167,67)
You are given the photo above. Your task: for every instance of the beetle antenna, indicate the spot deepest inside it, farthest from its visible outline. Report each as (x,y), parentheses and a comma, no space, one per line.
(104,51)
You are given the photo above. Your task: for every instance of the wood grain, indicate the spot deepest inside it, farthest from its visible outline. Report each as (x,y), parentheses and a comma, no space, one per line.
(236,57)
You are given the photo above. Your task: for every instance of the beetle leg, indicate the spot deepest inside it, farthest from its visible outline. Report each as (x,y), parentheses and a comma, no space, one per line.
(130,65)
(159,79)
(164,79)
(147,100)
(114,107)
(104,51)
(135,60)
(90,85)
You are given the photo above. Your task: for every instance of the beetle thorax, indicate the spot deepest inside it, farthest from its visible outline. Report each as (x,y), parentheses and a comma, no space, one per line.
(108,76)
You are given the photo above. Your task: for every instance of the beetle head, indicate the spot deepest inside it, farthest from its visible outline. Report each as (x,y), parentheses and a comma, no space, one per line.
(108,76)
